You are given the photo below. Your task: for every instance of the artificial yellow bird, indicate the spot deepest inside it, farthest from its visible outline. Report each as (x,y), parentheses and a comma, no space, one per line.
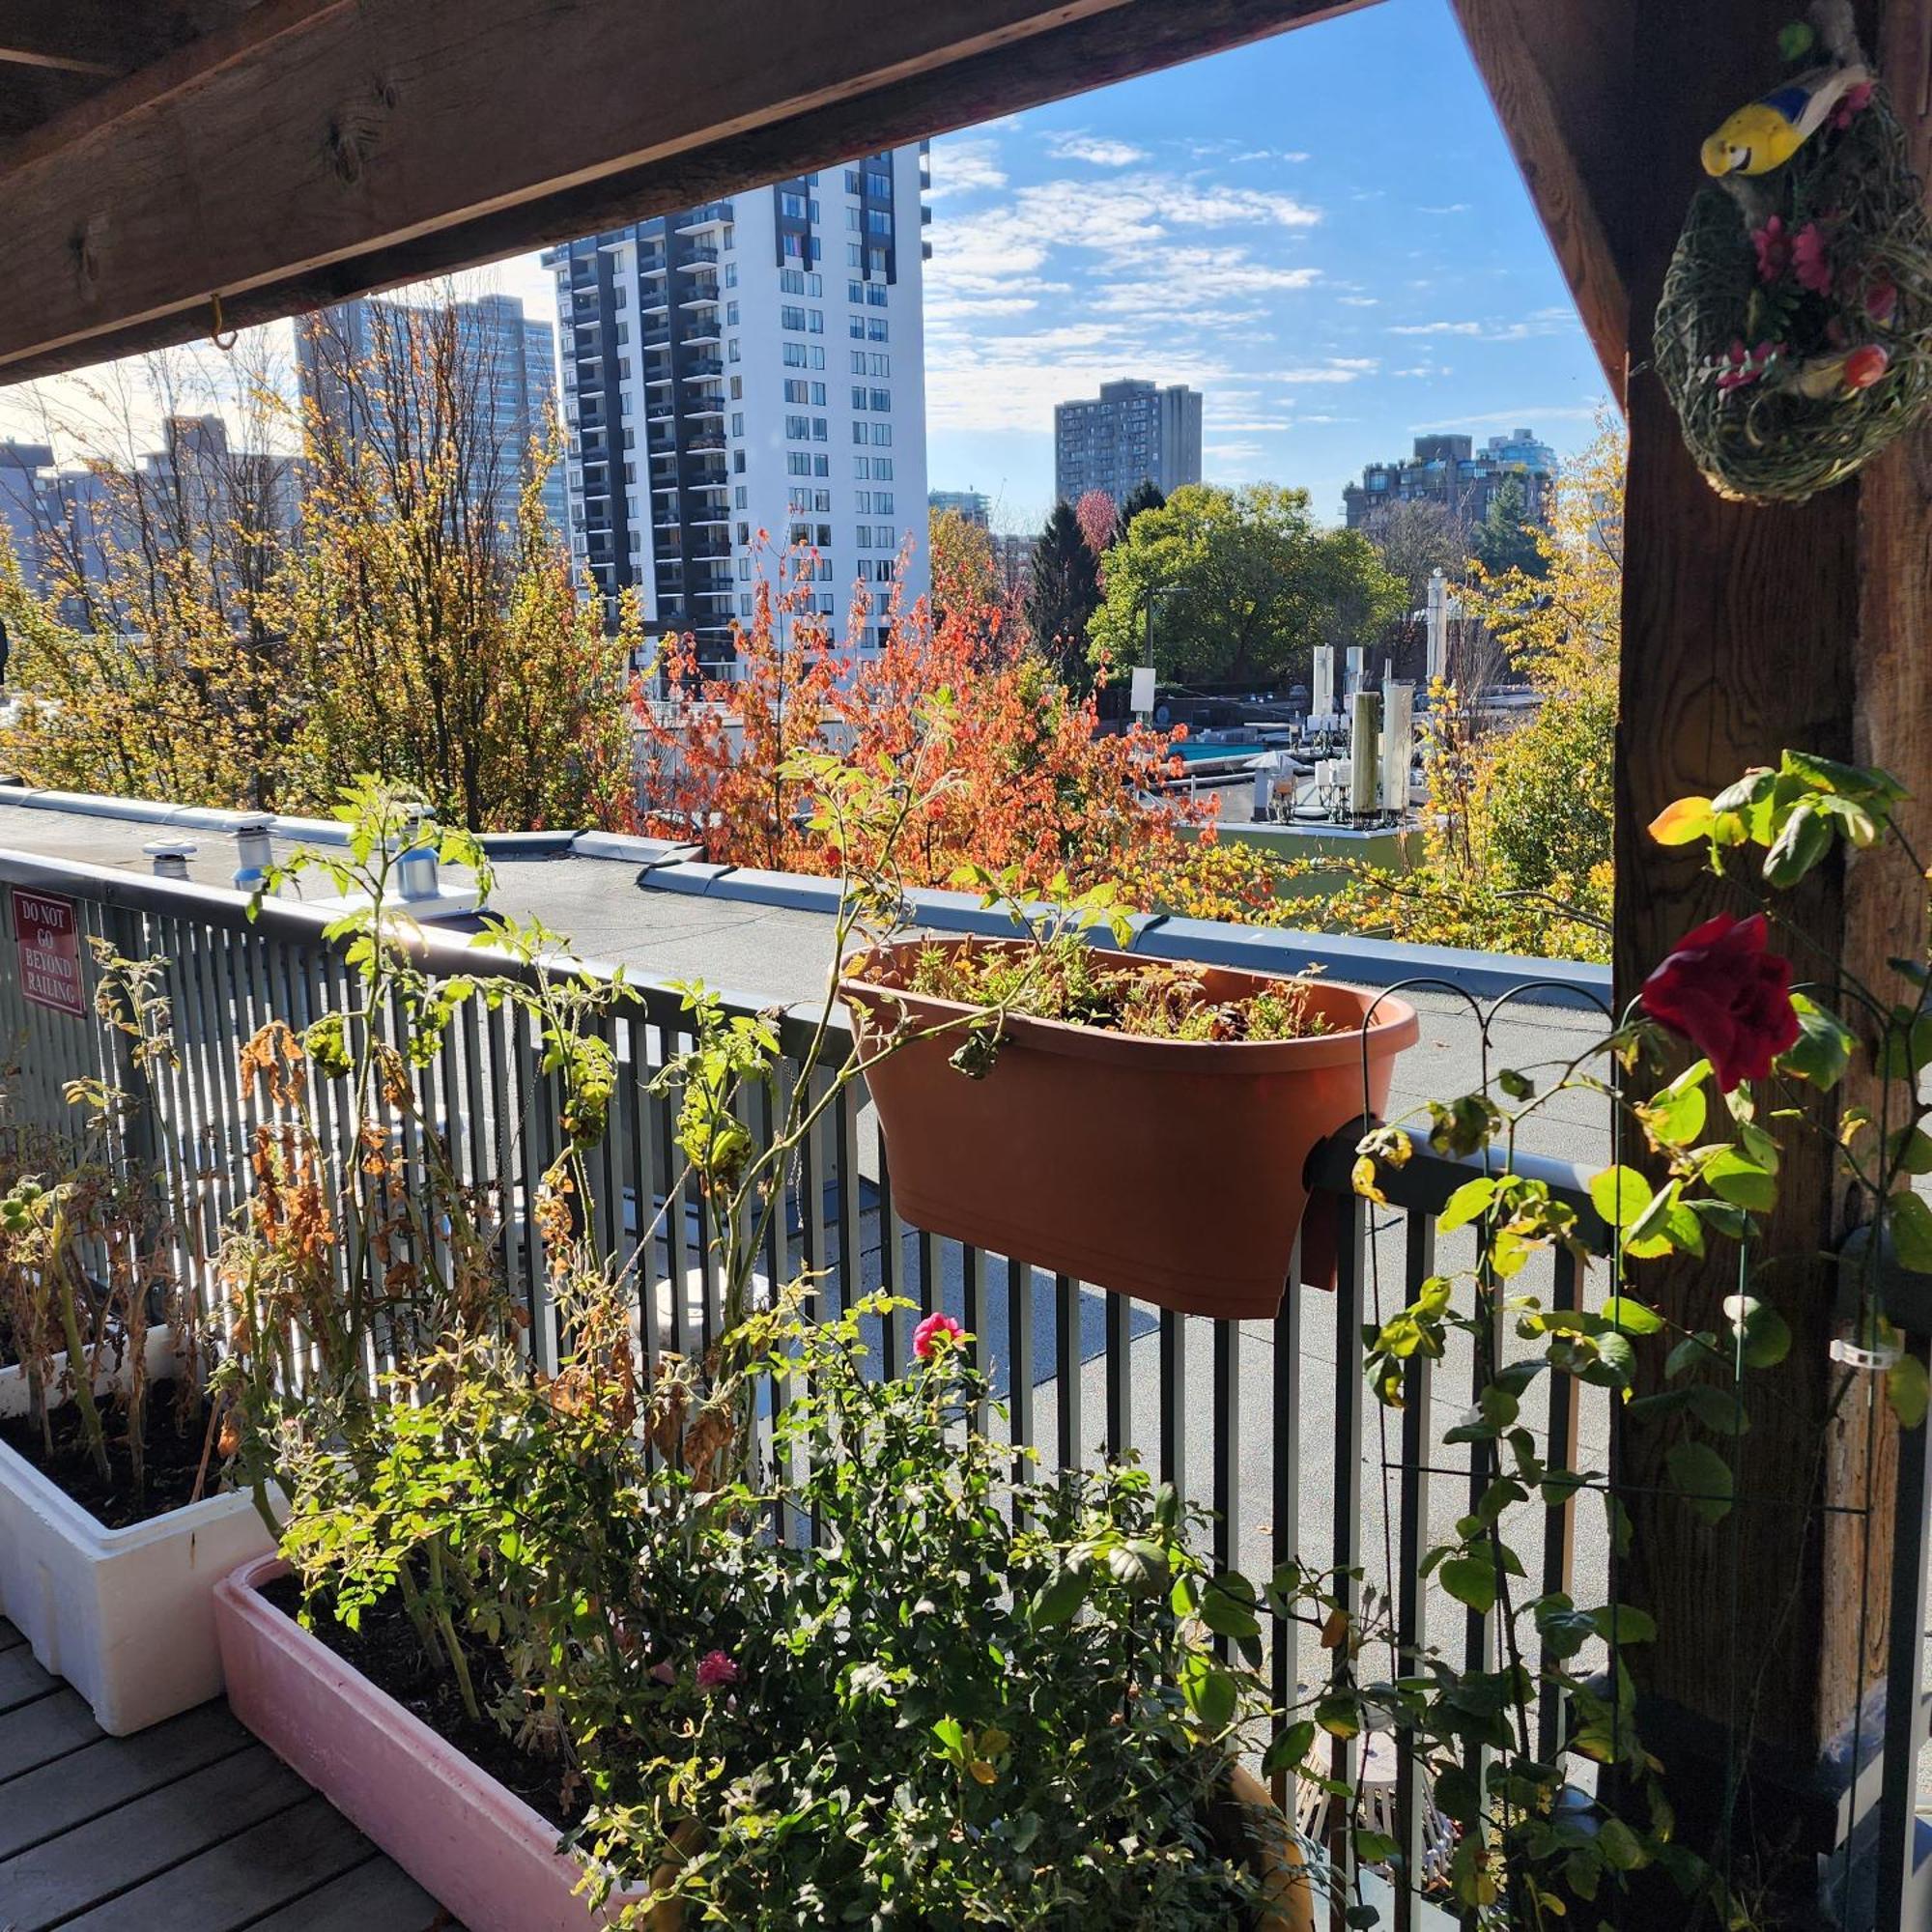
(1765,135)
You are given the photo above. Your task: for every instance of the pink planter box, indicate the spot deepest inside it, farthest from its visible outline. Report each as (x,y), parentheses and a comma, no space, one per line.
(476,1848)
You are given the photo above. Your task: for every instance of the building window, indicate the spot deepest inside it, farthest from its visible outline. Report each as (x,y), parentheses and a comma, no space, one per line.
(818,429)
(731,313)
(851,181)
(731,274)
(864,538)
(821,465)
(880,185)
(798,463)
(876,292)
(743,603)
(818,356)
(852,220)
(745,569)
(794,355)
(861,466)
(729,238)
(882,499)
(740,500)
(796,389)
(862,502)
(819,395)
(792,204)
(737,388)
(882,399)
(858,396)
(877,325)
(793,318)
(882,365)
(738,461)
(737,422)
(814,321)
(798,429)
(882,468)
(731,354)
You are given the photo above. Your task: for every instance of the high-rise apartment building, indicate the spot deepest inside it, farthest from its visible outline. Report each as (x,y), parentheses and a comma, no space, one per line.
(1132,432)
(746,381)
(1451,473)
(506,361)
(969,505)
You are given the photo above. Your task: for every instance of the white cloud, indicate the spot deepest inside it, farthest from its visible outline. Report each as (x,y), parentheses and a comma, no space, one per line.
(1533,414)
(1445,208)
(1436,329)
(1229,453)
(1336,369)
(1210,278)
(967,165)
(1098,149)
(1360,301)
(1252,425)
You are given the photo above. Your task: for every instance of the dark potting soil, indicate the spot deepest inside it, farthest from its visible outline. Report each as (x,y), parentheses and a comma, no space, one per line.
(173,1453)
(386,1649)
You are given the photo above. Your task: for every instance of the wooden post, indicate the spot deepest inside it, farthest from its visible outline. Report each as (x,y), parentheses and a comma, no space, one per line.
(1746,630)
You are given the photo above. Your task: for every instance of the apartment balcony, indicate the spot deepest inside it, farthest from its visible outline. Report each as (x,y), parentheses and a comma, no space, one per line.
(694,260)
(704,439)
(699,300)
(703,330)
(712,214)
(654,338)
(704,368)
(704,406)
(653,264)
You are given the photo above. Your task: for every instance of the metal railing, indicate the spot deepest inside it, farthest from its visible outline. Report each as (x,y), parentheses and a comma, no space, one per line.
(1268,1424)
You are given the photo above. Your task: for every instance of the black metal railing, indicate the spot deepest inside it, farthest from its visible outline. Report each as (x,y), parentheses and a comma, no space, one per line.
(1267,1423)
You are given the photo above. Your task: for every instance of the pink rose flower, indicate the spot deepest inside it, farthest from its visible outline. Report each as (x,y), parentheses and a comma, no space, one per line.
(716,1671)
(1881,298)
(1809,261)
(934,1330)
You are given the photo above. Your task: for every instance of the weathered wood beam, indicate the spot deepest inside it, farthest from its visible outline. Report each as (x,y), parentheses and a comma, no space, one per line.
(1746,630)
(104,37)
(318,147)
(1560,78)
(30,95)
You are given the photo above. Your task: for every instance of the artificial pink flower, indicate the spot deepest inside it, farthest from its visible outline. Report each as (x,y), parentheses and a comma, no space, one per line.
(1881,298)
(1809,261)
(933,1330)
(1773,248)
(663,1673)
(1855,102)
(716,1671)
(1729,994)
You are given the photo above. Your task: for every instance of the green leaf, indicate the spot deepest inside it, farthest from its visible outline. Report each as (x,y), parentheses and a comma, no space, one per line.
(1731,1176)
(1340,1715)
(1824,1046)
(1619,1194)
(1676,1117)
(1703,1477)
(1226,1615)
(1140,1565)
(1619,1845)
(1289,1749)
(1690,1352)
(1910,1220)
(1375,1847)
(1803,840)
(1624,1623)
(1906,1391)
(1472,1580)
(1764,1332)
(1209,1692)
(1468,1201)
(1910,1150)
(1630,1318)
(1518,1085)
(1683,822)
(1057,1603)
(1718,1409)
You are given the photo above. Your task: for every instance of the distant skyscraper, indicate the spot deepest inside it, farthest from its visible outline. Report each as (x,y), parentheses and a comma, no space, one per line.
(20,465)
(1450,472)
(970,504)
(753,365)
(1131,434)
(512,368)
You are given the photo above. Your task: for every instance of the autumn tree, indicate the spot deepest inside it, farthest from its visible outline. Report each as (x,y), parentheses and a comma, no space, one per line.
(1145,495)
(1518,837)
(967,579)
(1098,521)
(1035,786)
(1062,597)
(199,640)
(1259,584)
(147,654)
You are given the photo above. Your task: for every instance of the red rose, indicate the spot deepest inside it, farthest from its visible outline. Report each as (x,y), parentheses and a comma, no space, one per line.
(1728,996)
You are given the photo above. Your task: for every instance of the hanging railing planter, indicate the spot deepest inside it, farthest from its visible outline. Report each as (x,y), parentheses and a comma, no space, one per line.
(1794,336)
(1171,1170)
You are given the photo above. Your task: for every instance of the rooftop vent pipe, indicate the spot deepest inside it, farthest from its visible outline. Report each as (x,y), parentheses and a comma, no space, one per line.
(170,857)
(256,854)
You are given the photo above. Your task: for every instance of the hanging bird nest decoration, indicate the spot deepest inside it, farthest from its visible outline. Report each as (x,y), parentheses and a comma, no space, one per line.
(1795,332)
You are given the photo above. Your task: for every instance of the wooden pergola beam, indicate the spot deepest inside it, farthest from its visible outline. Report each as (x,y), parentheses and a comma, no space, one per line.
(315,148)
(1561,85)
(103,38)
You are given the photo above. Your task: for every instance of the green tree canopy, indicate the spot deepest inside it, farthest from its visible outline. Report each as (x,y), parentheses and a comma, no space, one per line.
(1256,583)
(1145,495)
(1065,589)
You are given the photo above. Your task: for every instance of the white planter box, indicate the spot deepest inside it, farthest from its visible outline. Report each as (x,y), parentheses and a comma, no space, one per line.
(126,1616)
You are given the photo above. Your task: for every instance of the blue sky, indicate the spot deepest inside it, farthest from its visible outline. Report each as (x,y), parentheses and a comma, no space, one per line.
(1325,232)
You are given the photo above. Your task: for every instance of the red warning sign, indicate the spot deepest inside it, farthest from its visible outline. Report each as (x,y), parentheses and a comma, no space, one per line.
(47,932)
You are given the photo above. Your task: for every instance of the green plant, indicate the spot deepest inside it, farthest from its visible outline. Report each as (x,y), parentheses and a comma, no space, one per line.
(971,1698)
(1532,1851)
(80,1227)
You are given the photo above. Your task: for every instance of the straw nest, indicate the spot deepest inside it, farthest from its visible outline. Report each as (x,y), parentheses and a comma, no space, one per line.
(1761,438)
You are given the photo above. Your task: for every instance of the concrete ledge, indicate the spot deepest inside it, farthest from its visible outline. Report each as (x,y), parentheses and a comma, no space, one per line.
(528,844)
(694,876)
(1379,962)
(798,892)
(626,845)
(141,811)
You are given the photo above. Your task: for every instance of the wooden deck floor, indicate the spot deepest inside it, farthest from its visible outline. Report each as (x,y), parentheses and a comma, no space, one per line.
(190,1827)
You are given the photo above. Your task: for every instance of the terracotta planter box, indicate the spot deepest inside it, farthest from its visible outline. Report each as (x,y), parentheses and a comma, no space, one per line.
(474,1846)
(1170,1170)
(125,1616)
